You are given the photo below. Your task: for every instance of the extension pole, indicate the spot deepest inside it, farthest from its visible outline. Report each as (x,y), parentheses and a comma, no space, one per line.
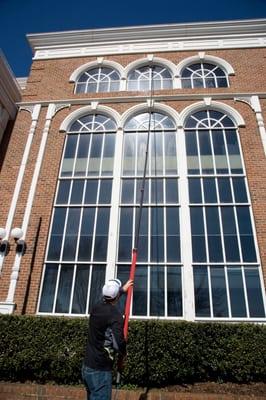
(136,242)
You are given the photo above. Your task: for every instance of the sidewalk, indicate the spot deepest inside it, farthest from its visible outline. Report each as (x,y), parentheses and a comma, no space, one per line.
(28,391)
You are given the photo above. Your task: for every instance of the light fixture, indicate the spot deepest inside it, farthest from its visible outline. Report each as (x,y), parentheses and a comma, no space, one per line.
(17,234)
(4,245)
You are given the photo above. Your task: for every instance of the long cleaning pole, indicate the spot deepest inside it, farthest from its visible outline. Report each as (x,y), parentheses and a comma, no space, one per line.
(137,231)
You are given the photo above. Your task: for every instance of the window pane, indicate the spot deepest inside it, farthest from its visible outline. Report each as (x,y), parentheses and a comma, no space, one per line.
(246,234)
(69,155)
(86,234)
(157,234)
(214,235)
(127,191)
(48,289)
(125,238)
(234,153)
(105,191)
(198,238)
(173,234)
(174,292)
(219,152)
(77,192)
(170,153)
(209,189)
(57,234)
(143,234)
(129,154)
(95,154)
(108,155)
(156,153)
(201,290)
(81,289)
(64,289)
(91,191)
(230,237)
(205,152)
(157,291)
(195,191)
(63,192)
(219,298)
(240,190)
(171,190)
(82,156)
(101,236)
(255,300)
(192,153)
(238,307)
(140,291)
(157,191)
(71,236)
(224,190)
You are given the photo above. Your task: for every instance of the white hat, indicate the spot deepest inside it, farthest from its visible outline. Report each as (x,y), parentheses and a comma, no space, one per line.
(111,288)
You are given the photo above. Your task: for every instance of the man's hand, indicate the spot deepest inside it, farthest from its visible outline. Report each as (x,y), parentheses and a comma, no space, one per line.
(127,285)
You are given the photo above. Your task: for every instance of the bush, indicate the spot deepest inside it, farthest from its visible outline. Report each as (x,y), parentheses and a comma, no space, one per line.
(50,349)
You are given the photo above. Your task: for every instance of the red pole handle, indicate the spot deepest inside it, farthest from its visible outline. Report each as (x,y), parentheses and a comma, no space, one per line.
(130,291)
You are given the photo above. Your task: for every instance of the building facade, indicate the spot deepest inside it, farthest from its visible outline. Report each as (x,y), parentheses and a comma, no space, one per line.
(9,96)
(95,101)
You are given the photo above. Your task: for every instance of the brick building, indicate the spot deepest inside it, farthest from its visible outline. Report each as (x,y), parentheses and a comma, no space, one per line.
(71,177)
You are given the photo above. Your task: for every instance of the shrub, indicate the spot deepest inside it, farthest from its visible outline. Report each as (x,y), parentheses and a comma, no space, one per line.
(50,349)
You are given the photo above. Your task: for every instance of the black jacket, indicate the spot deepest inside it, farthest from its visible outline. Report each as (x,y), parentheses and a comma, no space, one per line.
(104,316)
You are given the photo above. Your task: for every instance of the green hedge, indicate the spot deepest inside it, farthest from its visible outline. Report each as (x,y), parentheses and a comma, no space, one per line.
(43,349)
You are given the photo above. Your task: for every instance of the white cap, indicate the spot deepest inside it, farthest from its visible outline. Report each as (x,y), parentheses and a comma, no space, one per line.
(111,288)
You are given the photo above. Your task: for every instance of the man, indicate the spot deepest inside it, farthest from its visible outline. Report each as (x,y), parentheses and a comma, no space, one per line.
(104,339)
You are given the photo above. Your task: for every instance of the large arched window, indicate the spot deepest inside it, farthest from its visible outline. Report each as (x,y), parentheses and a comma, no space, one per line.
(203,75)
(158,287)
(148,77)
(76,257)
(99,79)
(226,269)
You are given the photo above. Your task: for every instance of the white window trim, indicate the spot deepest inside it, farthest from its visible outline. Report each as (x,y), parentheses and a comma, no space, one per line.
(100,62)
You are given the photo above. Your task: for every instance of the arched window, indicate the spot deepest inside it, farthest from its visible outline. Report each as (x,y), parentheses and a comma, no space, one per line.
(100,79)
(226,274)
(158,287)
(148,77)
(77,247)
(203,75)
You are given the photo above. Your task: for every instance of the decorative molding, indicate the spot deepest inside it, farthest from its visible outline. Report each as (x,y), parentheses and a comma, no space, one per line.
(169,37)
(89,109)
(244,99)
(202,56)
(60,106)
(96,63)
(215,105)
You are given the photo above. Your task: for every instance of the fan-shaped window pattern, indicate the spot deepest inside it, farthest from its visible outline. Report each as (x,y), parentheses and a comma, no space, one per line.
(77,247)
(150,78)
(100,79)
(203,75)
(158,285)
(226,271)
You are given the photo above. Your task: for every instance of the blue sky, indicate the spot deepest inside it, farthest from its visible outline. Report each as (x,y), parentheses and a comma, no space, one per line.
(19,17)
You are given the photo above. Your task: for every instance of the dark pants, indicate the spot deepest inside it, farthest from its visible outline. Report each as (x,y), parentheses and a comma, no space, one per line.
(98,383)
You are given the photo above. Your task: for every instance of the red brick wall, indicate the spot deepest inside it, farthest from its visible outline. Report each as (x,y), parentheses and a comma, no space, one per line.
(49,81)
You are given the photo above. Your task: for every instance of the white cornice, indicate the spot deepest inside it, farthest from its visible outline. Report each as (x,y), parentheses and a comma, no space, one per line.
(137,39)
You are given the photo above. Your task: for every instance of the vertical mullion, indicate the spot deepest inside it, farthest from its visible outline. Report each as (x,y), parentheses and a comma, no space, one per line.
(148,289)
(102,150)
(165,291)
(227,291)
(210,289)
(245,290)
(56,287)
(89,153)
(72,289)
(89,290)
(75,158)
